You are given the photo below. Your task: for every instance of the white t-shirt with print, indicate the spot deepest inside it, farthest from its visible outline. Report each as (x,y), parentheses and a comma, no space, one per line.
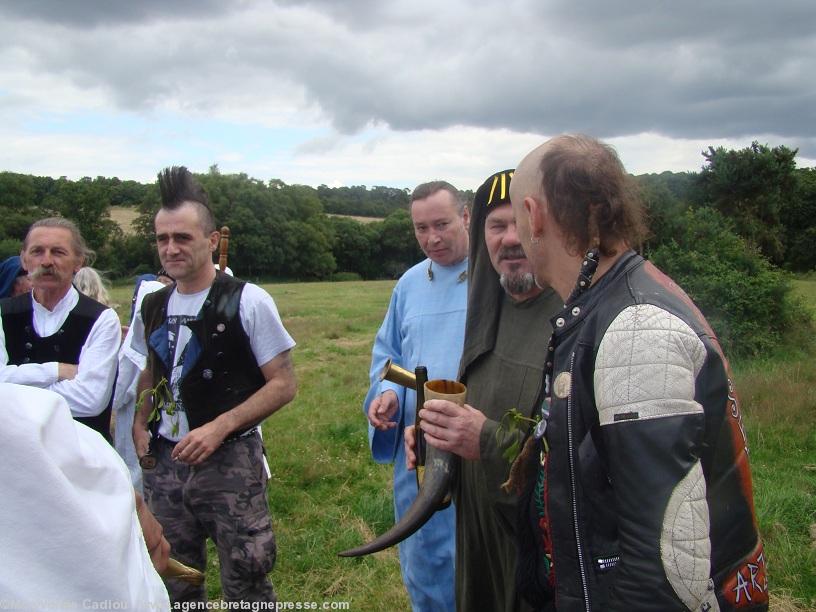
(260,320)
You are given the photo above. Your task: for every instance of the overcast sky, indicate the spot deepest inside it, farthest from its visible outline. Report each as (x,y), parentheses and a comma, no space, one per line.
(386,92)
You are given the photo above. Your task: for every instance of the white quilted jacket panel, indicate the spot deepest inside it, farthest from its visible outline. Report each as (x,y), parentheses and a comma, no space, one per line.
(685,547)
(646,366)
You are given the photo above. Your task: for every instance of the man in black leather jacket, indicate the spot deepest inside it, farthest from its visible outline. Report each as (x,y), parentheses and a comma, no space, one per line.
(642,496)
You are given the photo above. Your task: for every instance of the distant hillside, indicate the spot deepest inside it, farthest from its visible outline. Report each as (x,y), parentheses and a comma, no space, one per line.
(124,217)
(357,218)
(358,200)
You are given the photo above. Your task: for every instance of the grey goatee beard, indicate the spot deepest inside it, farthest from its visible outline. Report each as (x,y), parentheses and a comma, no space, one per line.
(517,283)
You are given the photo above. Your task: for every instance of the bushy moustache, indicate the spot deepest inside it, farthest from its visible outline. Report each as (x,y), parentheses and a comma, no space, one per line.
(512,253)
(45,272)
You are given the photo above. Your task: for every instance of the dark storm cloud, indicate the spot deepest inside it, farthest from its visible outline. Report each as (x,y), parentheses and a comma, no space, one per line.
(685,70)
(90,13)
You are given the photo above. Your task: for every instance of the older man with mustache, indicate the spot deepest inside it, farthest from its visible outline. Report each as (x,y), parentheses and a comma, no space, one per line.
(53,337)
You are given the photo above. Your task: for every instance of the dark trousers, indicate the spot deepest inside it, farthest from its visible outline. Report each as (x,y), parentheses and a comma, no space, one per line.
(224,499)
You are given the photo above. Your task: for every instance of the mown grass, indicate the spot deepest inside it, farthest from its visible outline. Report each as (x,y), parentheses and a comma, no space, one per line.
(778,396)
(327,495)
(806,287)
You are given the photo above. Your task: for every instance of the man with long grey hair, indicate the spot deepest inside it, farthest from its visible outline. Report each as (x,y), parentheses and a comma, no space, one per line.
(56,338)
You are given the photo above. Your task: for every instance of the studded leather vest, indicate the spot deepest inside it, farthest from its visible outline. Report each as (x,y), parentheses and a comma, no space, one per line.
(23,345)
(220,370)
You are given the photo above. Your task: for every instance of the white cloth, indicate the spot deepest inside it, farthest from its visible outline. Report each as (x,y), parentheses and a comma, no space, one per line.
(89,392)
(69,531)
(131,364)
(260,319)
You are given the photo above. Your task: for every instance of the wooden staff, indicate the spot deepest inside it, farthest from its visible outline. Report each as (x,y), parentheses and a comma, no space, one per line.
(223,248)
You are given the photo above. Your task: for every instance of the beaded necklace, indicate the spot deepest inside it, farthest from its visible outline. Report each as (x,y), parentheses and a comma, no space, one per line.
(588,268)
(587,271)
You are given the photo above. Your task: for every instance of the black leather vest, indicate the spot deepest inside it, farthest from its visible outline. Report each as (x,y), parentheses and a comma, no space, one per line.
(23,345)
(223,372)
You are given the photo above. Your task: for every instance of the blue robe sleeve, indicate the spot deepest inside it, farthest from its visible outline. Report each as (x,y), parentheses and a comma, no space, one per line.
(387,345)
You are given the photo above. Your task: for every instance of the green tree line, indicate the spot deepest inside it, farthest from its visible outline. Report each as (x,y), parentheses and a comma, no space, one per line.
(728,233)
(279,231)
(731,235)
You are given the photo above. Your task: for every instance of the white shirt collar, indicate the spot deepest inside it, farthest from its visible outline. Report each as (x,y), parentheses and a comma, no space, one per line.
(47,322)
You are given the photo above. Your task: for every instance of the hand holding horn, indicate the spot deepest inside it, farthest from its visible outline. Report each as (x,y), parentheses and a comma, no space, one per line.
(438,474)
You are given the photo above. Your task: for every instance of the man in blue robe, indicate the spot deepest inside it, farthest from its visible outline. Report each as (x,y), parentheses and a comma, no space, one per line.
(424,325)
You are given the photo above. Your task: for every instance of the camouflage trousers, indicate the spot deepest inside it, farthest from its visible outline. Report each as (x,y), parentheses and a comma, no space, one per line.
(223,498)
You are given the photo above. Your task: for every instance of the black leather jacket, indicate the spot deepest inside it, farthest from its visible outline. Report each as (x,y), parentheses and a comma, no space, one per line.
(648,489)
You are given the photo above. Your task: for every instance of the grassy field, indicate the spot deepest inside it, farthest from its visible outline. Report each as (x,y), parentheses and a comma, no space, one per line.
(326,494)
(807,289)
(124,217)
(357,218)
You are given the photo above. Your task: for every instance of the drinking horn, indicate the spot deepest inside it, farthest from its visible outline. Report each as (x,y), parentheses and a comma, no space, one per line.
(433,494)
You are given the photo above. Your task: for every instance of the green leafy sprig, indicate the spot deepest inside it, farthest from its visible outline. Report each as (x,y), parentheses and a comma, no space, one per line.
(513,420)
(162,398)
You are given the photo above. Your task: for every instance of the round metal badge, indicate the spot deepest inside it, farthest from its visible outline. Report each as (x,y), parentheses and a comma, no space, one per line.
(562,384)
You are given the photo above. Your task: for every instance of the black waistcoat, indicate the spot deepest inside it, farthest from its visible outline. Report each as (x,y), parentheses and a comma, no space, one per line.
(223,372)
(23,345)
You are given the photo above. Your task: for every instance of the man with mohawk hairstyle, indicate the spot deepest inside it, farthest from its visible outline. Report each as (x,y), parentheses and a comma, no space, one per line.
(218,361)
